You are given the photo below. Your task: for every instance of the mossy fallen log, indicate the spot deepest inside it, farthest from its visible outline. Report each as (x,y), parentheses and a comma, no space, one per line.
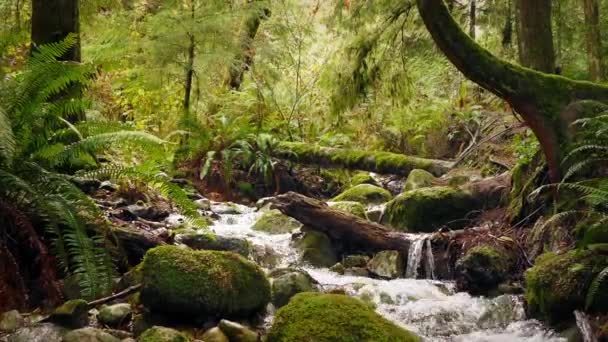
(379,162)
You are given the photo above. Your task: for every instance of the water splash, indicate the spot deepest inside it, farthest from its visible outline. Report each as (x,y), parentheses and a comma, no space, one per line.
(414,256)
(582,322)
(429,265)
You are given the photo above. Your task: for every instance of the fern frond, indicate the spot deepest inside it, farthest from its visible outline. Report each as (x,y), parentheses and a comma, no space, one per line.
(7,139)
(594,289)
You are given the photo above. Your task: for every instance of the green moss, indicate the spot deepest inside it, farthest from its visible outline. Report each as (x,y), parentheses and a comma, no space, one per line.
(275,222)
(73,313)
(333,318)
(190,283)
(482,269)
(162,334)
(354,208)
(316,249)
(364,193)
(362,178)
(418,179)
(424,210)
(557,284)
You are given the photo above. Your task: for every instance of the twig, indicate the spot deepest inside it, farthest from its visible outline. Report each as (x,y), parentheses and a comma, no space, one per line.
(120,294)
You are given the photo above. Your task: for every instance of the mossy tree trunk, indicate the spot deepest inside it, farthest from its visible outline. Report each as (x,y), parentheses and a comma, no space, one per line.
(593,39)
(52,21)
(535,36)
(540,99)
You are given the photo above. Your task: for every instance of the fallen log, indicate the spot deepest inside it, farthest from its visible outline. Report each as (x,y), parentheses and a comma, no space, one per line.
(378,162)
(136,242)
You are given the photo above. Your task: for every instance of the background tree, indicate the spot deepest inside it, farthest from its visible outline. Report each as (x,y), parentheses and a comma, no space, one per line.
(535,36)
(53,21)
(593,39)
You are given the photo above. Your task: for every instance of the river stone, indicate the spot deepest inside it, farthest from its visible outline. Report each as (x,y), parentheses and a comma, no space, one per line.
(89,335)
(72,314)
(182,282)
(265,256)
(335,318)
(365,194)
(355,261)
(148,212)
(227,208)
(418,179)
(362,178)
(353,208)
(114,315)
(357,272)
(338,268)
(214,243)
(426,209)
(203,204)
(481,269)
(264,203)
(289,284)
(45,332)
(316,249)
(162,334)
(387,264)
(275,222)
(11,321)
(237,332)
(215,335)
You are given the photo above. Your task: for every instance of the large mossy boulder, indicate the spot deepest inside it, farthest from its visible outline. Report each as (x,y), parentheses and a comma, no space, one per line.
(482,269)
(418,179)
(425,210)
(353,208)
(178,281)
(333,318)
(365,194)
(275,222)
(558,284)
(162,334)
(316,249)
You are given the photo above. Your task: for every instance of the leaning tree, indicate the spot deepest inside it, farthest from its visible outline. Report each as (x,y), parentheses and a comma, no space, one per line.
(547,103)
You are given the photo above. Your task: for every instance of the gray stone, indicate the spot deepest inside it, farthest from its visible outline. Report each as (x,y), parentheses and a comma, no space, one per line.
(45,332)
(357,271)
(203,204)
(73,314)
(275,222)
(265,256)
(215,335)
(237,332)
(227,208)
(387,264)
(355,261)
(11,321)
(114,315)
(89,335)
(289,284)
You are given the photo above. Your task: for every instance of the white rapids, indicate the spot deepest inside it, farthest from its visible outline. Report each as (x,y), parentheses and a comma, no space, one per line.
(430,308)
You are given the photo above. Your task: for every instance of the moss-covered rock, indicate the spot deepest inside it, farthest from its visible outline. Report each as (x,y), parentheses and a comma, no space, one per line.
(353,208)
(425,210)
(237,332)
(558,284)
(387,264)
(362,178)
(182,282)
(89,335)
(114,315)
(481,270)
(355,261)
(418,179)
(275,222)
(333,318)
(71,314)
(316,249)
(213,242)
(162,334)
(364,193)
(289,284)
(215,335)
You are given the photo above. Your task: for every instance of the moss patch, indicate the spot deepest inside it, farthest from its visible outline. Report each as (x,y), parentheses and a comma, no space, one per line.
(425,210)
(362,178)
(418,179)
(482,269)
(354,208)
(275,222)
(162,334)
(333,318)
(183,282)
(364,193)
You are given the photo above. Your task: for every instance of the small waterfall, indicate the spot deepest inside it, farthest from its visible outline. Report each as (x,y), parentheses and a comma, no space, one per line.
(429,265)
(414,256)
(582,322)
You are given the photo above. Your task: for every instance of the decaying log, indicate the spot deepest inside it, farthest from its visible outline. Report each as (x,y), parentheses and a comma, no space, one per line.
(378,162)
(136,242)
(340,226)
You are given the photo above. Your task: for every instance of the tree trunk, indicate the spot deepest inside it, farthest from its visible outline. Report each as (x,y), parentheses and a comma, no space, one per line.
(244,58)
(507,31)
(594,40)
(189,73)
(52,21)
(473,19)
(535,37)
(539,98)
(379,162)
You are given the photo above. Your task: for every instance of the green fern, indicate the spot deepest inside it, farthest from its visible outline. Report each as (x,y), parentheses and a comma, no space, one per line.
(600,281)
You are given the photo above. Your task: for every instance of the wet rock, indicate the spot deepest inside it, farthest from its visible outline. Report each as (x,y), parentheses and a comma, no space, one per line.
(418,179)
(387,264)
(264,203)
(394,186)
(289,284)
(331,317)
(353,208)
(11,321)
(214,243)
(227,208)
(203,204)
(237,332)
(45,332)
(355,261)
(144,321)
(357,272)
(265,256)
(162,334)
(481,269)
(338,268)
(374,214)
(114,315)
(215,335)
(316,249)
(182,282)
(108,186)
(89,335)
(275,222)
(85,184)
(426,209)
(385,298)
(147,212)
(73,314)
(365,194)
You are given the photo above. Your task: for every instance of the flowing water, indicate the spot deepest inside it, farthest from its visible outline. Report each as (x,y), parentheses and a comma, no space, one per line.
(582,322)
(430,308)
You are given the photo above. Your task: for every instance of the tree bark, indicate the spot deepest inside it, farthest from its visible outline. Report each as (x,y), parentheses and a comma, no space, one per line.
(189,73)
(539,98)
(244,58)
(473,19)
(535,36)
(52,21)
(593,39)
(379,162)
